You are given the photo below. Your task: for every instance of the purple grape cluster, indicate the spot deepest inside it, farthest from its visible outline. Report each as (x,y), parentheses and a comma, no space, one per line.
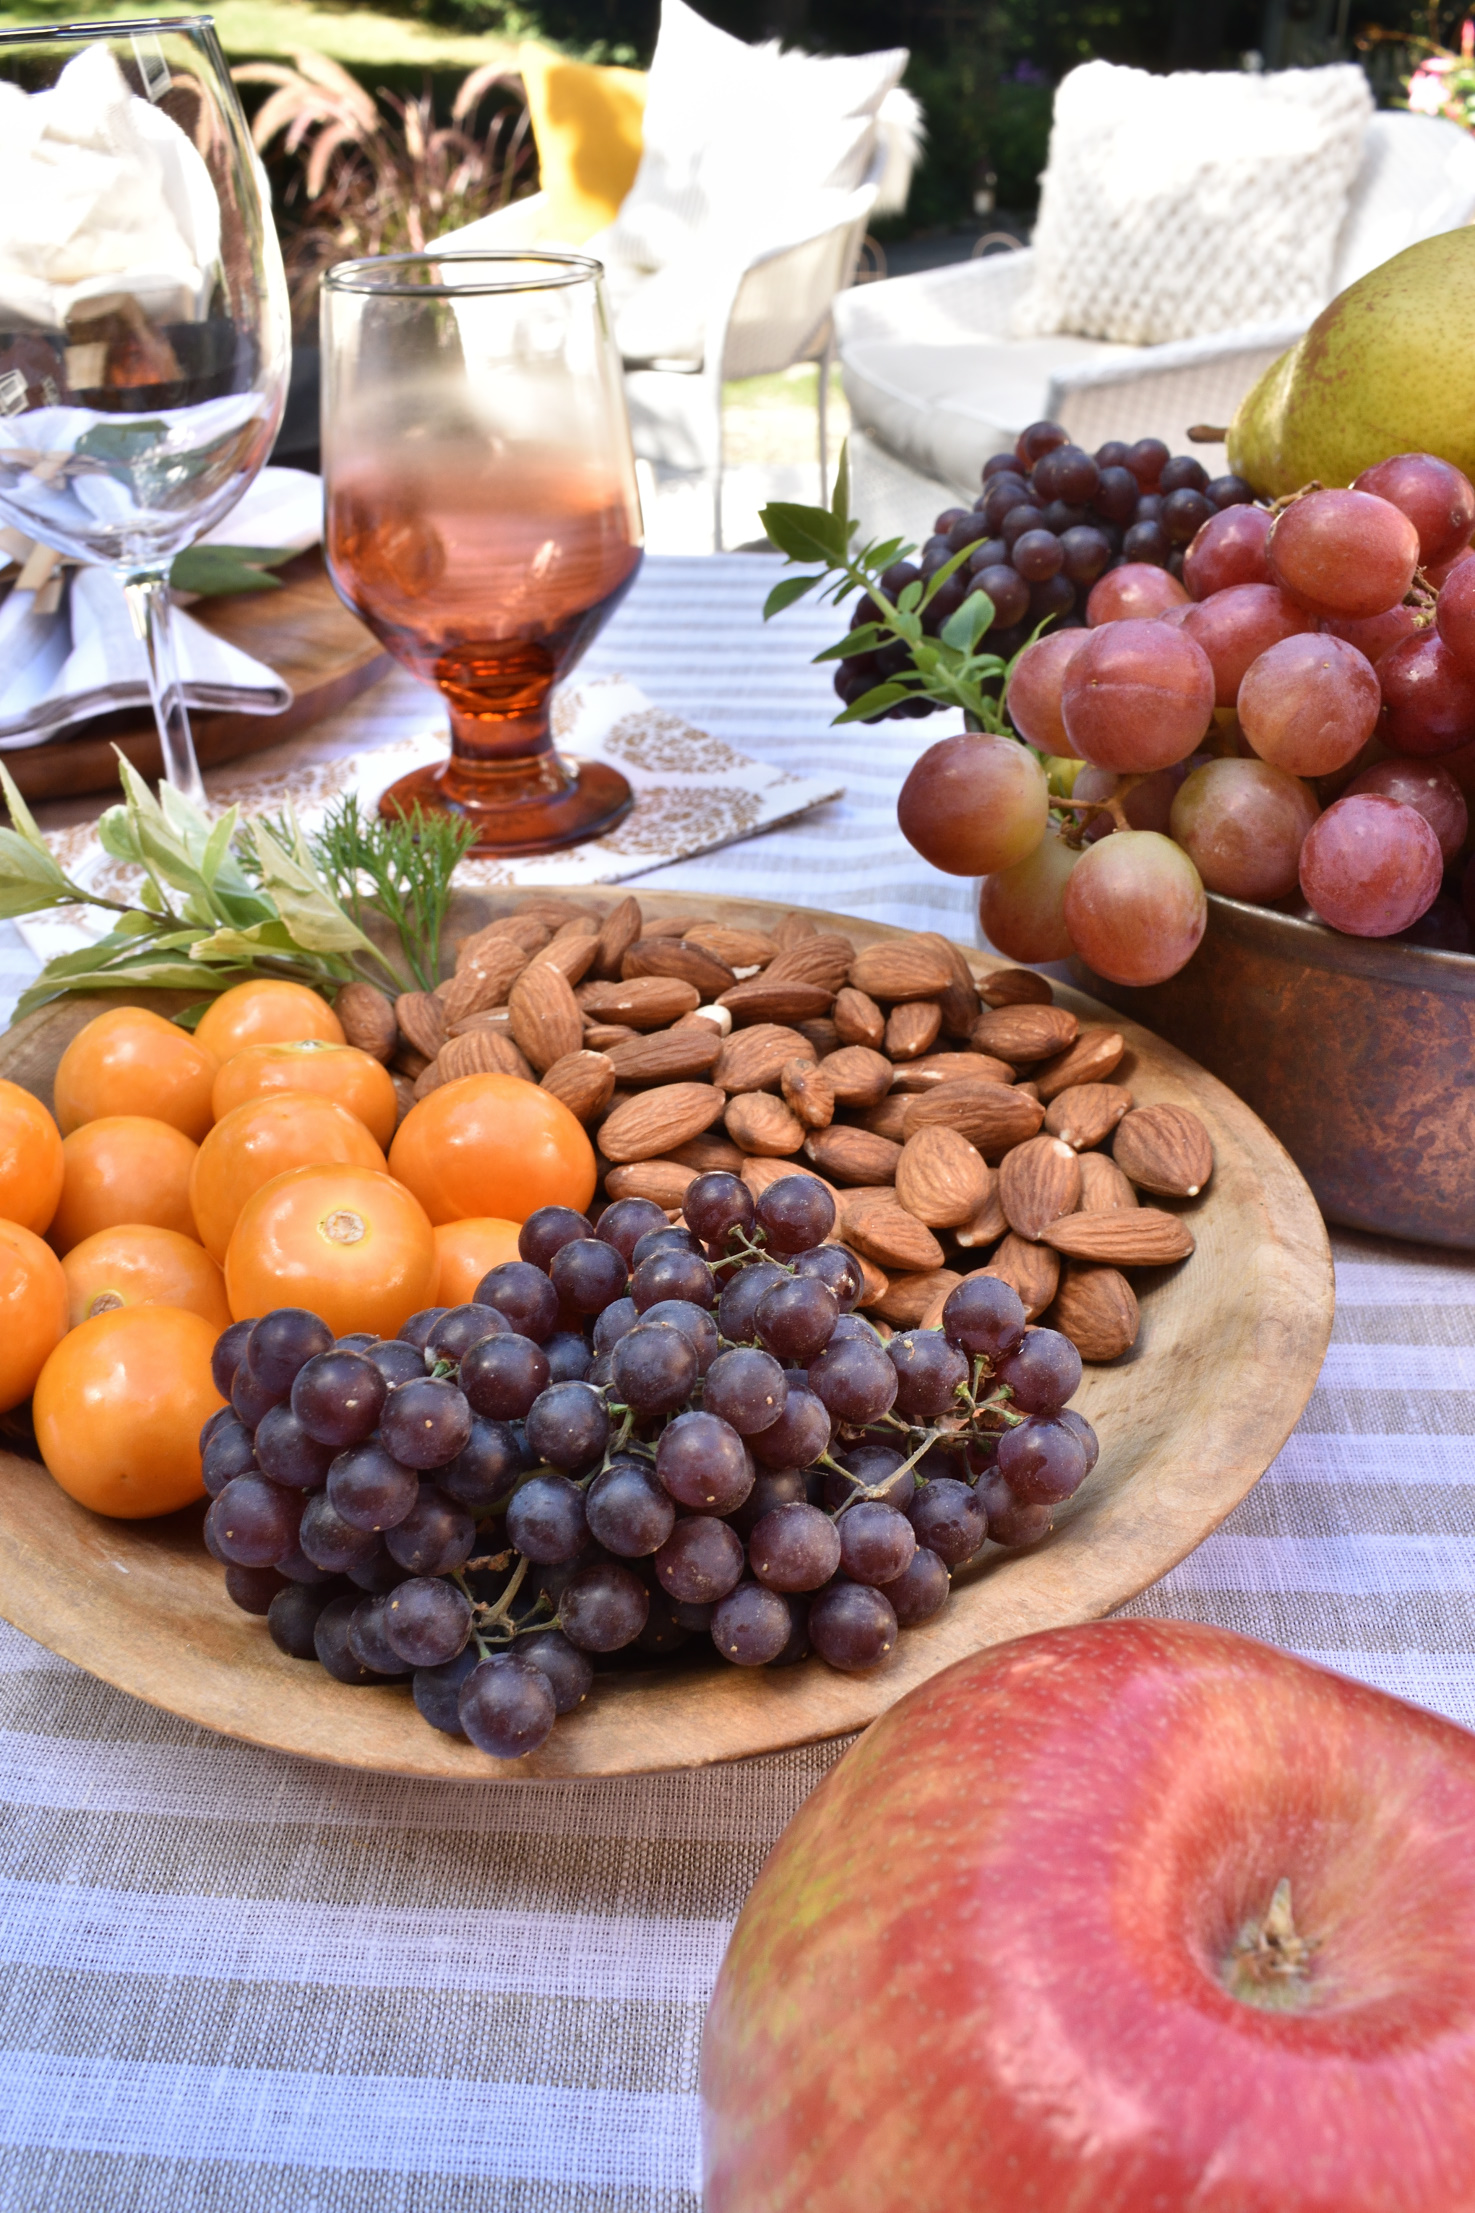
(637,1438)
(1050,521)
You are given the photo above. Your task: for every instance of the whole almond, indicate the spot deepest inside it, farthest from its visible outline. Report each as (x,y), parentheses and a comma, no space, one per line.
(1084,1113)
(544,1016)
(1096,1308)
(430,1078)
(988,1225)
(368,1019)
(901,968)
(858,1018)
(992,1116)
(1015,987)
(584,1081)
(1164,1149)
(755,1059)
(483,981)
(808,1092)
(760,1000)
(665,956)
(410,1064)
(907,1299)
(941,1178)
(666,1056)
(1030,1090)
(551,907)
(738,948)
(710,1154)
(879,1226)
(665,1181)
(958,1000)
(912,1029)
(760,1123)
(822,959)
(644,1002)
(1031,1270)
(792,930)
(571,951)
(1023,1034)
(821,1033)
(646,1126)
(715,1019)
(861,1077)
(480,1053)
(600,1036)
(852,1156)
(670,925)
(935,1068)
(522,930)
(617,933)
(1095,1055)
(1137,1237)
(887,1118)
(1038,1182)
(421,1021)
(1104,1189)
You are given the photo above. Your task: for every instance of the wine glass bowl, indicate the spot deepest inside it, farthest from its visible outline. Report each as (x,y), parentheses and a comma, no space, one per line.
(482,514)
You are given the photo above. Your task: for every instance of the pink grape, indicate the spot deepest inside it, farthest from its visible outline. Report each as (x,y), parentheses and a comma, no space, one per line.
(1428,697)
(1427,786)
(1021,909)
(1439,572)
(1310,704)
(1436,497)
(1237,625)
(1138,695)
(1242,824)
(1135,907)
(1455,620)
(1033,698)
(1370,865)
(1135,592)
(1229,550)
(1343,553)
(974,803)
(1376,635)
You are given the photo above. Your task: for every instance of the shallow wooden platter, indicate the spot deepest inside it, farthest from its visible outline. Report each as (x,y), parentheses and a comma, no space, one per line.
(303,631)
(1231,1345)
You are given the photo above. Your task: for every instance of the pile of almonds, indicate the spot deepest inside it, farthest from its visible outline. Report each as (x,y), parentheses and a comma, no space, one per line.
(965,1124)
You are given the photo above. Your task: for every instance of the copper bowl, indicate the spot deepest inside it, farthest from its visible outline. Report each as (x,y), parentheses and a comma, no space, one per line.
(1358,1052)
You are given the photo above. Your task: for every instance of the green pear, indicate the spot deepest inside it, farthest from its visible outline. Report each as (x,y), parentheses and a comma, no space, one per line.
(1388,367)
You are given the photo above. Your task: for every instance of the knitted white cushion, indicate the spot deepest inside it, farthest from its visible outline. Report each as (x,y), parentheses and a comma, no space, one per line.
(1176,206)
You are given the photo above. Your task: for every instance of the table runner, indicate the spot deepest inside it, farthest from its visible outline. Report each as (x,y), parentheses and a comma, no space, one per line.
(237,1980)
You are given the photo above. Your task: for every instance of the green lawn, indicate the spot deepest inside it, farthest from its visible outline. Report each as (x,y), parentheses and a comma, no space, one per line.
(355,36)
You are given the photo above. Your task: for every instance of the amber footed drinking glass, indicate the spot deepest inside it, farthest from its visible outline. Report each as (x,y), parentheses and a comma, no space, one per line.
(482,514)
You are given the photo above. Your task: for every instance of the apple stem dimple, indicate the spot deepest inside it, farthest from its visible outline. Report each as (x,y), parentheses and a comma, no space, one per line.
(1270,1961)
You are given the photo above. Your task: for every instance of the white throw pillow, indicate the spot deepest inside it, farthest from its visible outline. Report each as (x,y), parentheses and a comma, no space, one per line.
(1177,206)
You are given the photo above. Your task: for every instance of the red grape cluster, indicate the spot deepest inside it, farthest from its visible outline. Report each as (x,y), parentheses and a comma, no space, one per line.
(1271,727)
(637,1438)
(1050,521)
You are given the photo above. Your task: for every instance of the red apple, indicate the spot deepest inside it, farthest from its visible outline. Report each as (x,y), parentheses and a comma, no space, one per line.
(1140,1917)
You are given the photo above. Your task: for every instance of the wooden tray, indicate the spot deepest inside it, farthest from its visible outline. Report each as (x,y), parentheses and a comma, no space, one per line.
(303,631)
(1231,1345)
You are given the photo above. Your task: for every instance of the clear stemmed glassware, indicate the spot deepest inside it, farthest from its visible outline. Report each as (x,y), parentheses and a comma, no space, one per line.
(144,329)
(482,515)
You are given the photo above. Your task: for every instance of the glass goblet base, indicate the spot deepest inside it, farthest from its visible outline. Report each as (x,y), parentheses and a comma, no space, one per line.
(519,808)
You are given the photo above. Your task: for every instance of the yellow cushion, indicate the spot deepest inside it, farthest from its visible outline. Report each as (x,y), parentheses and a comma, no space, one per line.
(587,125)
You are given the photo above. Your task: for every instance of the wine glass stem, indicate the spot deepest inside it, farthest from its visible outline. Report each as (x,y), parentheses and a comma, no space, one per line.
(152,612)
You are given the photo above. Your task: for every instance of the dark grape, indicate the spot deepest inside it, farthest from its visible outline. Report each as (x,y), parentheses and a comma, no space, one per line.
(506,1707)
(801,1433)
(569,1674)
(797,1644)
(998,463)
(1042,1462)
(1060,516)
(1184,515)
(653,1368)
(524,1295)
(1113,455)
(1066,473)
(568,1356)
(287,1454)
(1086,553)
(751,1625)
(795,1548)
(1116,497)
(696,1619)
(716,1204)
(545,1233)
(252,1522)
(797,1317)
(425,1423)
(1079,1425)
(603,1608)
(672,1275)
(663,1634)
(461,1327)
(281,1343)
(1020,521)
(1005,587)
(1147,459)
(872,1468)
(253,1589)
(1010,1521)
(990,553)
(1147,542)
(367,1640)
(437,1691)
(250,1399)
(929,1373)
(920,1591)
(614,1322)
(297,1567)
(628,1220)
(876,1542)
(292,1617)
(485,1469)
(629,1512)
(567,1426)
(502,1376)
(795,1214)
(747,1388)
(1229,491)
(1054,597)
(1183,474)
(417,1330)
(588,1275)
(330,1642)
(1038,555)
(378,1572)
(1039,439)
(1149,508)
(546,1520)
(852,1626)
(894,582)
(837,1268)
(855,1379)
(771,1487)
(397,1360)
(736,1306)
(230,1348)
(935,555)
(695,1324)
(948,1517)
(229,1452)
(427,1621)
(700,1561)
(328,1540)
(337,1396)
(983,1315)
(967,531)
(435,1536)
(703,1464)
(1043,1373)
(217,1420)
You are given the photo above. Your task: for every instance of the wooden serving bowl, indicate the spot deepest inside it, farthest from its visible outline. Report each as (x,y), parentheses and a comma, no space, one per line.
(1232,1342)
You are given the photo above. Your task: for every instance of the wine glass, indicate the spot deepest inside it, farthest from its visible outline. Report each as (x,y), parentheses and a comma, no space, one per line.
(144,332)
(482,514)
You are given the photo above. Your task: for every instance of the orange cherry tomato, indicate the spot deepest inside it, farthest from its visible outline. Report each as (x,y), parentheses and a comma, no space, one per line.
(349,1244)
(466,1250)
(269,1011)
(339,1072)
(492,1145)
(123,1168)
(132,1062)
(138,1265)
(30,1160)
(263,1139)
(33,1311)
(119,1409)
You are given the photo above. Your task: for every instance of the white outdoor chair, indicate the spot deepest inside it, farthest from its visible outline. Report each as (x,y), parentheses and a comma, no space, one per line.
(936,384)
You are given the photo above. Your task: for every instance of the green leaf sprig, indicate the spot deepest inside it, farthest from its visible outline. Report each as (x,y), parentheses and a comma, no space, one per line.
(402,867)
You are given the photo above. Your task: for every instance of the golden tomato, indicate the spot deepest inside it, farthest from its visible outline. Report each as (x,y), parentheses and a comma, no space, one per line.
(339,1072)
(30,1160)
(349,1244)
(492,1145)
(263,1139)
(129,1061)
(138,1265)
(119,1408)
(123,1168)
(267,1011)
(466,1250)
(33,1310)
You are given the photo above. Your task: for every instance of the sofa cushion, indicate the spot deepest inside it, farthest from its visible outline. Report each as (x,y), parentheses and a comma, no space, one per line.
(587,129)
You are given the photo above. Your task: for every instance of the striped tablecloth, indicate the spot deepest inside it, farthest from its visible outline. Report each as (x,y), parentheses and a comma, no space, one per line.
(234,1980)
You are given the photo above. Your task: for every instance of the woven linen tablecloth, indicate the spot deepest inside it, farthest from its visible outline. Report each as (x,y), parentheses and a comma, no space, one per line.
(236,1980)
